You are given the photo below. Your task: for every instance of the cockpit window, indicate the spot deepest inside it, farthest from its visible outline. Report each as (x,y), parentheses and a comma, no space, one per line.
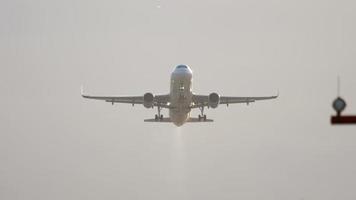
(181,67)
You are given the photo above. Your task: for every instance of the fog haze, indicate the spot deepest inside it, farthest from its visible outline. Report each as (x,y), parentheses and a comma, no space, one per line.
(56,145)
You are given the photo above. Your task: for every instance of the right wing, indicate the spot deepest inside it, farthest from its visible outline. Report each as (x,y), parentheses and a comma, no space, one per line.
(159,100)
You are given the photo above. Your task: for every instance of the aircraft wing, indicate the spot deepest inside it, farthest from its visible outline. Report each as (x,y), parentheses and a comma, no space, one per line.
(203,100)
(159,100)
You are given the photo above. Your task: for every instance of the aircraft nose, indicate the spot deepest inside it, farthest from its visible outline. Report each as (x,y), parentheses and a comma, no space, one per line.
(183,69)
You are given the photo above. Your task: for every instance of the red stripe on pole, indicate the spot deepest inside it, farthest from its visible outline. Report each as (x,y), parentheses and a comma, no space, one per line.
(343,119)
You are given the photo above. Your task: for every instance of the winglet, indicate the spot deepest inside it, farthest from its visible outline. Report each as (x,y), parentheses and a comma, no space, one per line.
(277,93)
(82,91)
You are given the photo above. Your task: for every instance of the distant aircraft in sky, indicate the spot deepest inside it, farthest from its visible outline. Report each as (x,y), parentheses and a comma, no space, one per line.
(180,101)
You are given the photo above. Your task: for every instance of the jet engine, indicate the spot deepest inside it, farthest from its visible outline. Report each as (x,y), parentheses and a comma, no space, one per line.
(148,100)
(214,100)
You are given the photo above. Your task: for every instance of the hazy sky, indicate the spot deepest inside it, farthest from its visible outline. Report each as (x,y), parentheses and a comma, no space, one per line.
(56,145)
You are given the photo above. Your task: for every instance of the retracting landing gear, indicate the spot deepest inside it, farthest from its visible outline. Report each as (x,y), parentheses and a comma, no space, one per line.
(202,116)
(158,117)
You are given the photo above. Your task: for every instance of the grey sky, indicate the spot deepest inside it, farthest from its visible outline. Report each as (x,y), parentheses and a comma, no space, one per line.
(56,145)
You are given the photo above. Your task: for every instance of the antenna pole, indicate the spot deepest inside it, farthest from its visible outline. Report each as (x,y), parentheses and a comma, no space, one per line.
(338,86)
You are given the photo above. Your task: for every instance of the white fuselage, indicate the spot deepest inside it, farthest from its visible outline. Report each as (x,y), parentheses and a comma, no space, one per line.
(180,95)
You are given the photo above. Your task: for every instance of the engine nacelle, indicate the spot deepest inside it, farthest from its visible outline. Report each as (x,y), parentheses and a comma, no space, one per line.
(214,100)
(148,100)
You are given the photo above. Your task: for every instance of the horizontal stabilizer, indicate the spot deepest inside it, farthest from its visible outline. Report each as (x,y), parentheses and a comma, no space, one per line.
(169,120)
(192,119)
(158,120)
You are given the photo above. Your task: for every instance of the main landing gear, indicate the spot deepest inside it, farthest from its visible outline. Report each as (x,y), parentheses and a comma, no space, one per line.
(159,117)
(202,116)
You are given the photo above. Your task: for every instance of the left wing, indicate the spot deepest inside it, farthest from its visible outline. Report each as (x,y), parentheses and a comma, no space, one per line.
(203,100)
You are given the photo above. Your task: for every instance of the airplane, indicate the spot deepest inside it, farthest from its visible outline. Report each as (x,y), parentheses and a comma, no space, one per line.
(180,101)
